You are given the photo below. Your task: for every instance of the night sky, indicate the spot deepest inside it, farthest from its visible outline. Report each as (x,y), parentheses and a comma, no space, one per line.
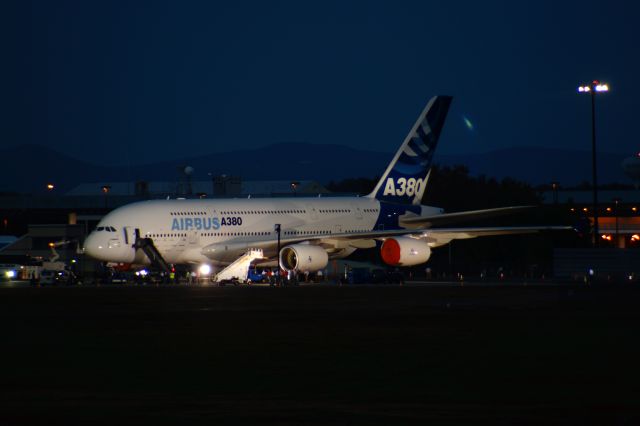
(138,81)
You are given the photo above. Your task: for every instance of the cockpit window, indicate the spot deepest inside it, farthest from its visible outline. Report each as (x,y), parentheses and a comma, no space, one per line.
(112,229)
(100,228)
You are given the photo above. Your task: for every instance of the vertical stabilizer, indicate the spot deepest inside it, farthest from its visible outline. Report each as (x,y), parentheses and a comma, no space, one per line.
(406,177)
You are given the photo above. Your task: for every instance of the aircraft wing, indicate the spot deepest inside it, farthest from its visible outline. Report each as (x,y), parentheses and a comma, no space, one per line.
(449,218)
(441,236)
(435,236)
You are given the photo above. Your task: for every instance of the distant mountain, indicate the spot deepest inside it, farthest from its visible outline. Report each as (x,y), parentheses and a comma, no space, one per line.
(28,168)
(540,165)
(282,161)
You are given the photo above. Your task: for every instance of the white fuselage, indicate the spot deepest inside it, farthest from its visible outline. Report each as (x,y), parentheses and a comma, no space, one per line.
(219,230)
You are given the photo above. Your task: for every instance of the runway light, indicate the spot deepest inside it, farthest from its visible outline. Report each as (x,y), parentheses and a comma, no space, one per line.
(204,269)
(602,88)
(143,272)
(50,186)
(584,89)
(608,209)
(585,209)
(635,237)
(634,209)
(606,237)
(10,274)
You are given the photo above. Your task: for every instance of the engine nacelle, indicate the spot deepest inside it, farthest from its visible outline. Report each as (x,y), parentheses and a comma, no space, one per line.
(404,251)
(303,258)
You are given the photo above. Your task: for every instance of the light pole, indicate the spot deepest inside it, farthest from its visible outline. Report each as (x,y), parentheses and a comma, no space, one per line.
(592,88)
(554,186)
(617,201)
(105,191)
(213,183)
(277,227)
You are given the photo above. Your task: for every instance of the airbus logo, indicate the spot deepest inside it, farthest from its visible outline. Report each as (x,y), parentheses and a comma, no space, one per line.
(206,223)
(199,223)
(403,186)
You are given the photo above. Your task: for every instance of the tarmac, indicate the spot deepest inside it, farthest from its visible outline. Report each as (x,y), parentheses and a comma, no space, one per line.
(449,353)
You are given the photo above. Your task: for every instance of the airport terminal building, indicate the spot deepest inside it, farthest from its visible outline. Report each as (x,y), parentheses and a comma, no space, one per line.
(617,256)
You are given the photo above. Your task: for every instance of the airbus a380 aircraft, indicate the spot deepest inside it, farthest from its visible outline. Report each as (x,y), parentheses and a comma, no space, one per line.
(312,230)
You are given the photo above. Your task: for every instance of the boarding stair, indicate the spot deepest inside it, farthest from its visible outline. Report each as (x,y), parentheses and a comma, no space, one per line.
(238,271)
(147,246)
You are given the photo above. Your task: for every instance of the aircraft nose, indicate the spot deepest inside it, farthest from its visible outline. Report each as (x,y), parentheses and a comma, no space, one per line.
(107,247)
(94,246)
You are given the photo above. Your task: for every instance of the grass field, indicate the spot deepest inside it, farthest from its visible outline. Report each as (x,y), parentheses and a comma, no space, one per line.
(320,355)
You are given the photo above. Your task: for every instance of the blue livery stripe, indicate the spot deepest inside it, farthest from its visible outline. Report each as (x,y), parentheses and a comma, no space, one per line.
(405,178)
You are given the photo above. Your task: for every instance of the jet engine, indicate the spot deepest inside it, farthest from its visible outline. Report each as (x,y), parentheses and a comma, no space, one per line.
(404,251)
(303,258)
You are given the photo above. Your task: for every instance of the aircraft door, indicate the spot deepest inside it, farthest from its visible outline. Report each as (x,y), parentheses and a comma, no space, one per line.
(312,212)
(130,235)
(192,237)
(357,211)
(181,241)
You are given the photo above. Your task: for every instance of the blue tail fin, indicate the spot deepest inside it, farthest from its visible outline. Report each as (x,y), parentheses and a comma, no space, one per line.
(406,177)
